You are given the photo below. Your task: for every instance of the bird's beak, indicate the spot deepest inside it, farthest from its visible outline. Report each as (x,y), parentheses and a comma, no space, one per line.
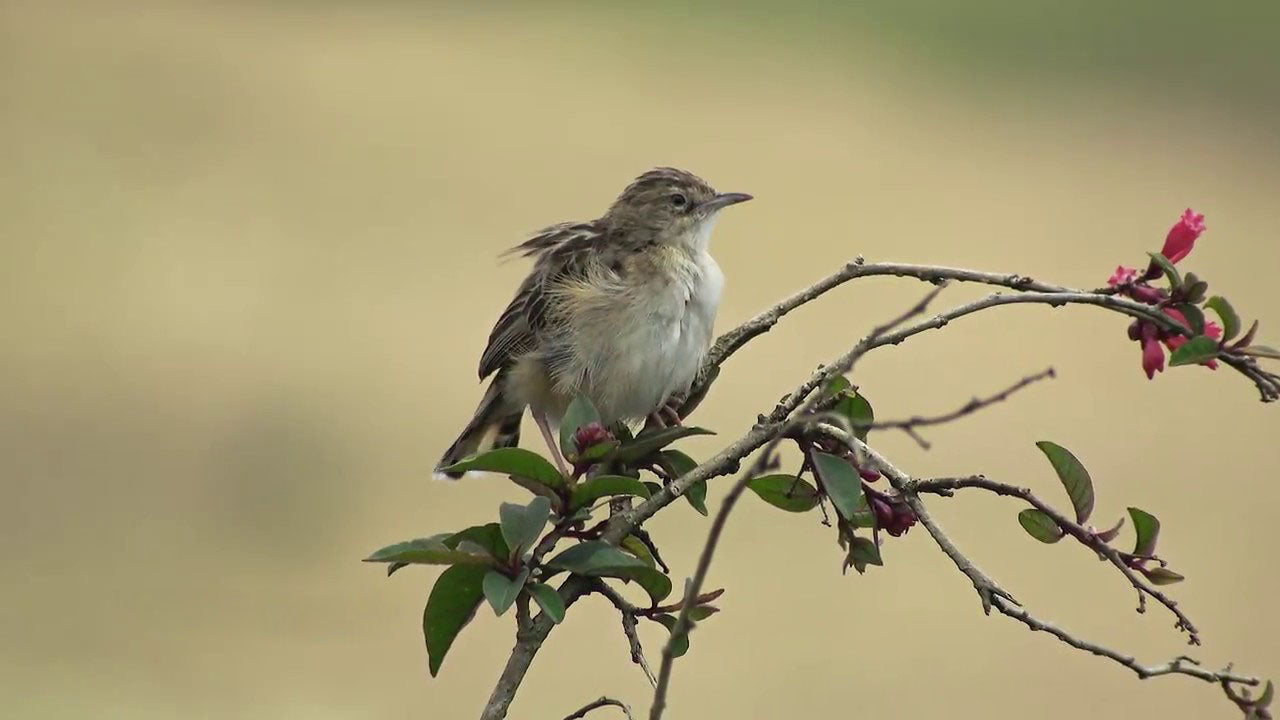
(724,200)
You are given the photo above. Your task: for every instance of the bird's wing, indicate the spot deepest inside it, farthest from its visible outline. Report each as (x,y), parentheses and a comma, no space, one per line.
(561,252)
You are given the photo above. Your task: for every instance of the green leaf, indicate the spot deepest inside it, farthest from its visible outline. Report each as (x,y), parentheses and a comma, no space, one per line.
(1161,576)
(428,551)
(656,584)
(1170,272)
(840,481)
(681,644)
(513,461)
(1074,477)
(677,464)
(522,524)
(654,488)
(863,552)
(592,557)
(859,412)
(787,492)
(835,386)
(549,600)
(702,612)
(863,515)
(696,495)
(451,605)
(653,440)
(636,546)
(1230,320)
(600,559)
(1147,528)
(600,486)
(1195,317)
(502,591)
(487,536)
(579,413)
(1040,526)
(1195,351)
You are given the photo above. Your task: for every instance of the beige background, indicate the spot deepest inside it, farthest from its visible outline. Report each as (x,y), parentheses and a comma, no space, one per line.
(249,265)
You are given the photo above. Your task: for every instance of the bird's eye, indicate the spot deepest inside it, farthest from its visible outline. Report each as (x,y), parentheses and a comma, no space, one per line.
(679,200)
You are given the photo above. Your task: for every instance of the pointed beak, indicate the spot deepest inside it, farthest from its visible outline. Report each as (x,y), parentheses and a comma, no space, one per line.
(724,200)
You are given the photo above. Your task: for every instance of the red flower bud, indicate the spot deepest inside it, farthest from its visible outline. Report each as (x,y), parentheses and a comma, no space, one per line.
(1182,236)
(589,436)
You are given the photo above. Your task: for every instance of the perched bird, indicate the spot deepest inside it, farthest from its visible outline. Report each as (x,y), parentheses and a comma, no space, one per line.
(619,309)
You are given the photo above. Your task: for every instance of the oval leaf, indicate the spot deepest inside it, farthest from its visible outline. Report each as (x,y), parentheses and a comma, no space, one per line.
(696,495)
(636,546)
(451,605)
(487,536)
(579,413)
(842,484)
(1230,320)
(428,551)
(522,524)
(593,557)
(1194,316)
(656,584)
(1040,526)
(653,440)
(502,591)
(1147,528)
(1073,476)
(787,492)
(679,645)
(858,411)
(513,461)
(600,486)
(863,552)
(1197,350)
(1161,576)
(549,600)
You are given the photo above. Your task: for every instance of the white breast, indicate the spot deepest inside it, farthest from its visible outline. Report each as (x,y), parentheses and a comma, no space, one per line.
(658,351)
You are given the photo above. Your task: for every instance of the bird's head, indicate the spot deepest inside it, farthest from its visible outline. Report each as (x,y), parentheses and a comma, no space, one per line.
(674,206)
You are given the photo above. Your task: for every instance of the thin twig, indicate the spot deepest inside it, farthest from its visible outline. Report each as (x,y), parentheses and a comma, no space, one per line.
(628,612)
(596,704)
(910,425)
(1084,535)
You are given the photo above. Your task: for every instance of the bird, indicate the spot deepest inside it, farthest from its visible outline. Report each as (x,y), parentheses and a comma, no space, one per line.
(619,309)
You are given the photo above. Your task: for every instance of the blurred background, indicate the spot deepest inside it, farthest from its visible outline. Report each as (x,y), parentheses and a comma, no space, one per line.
(249,264)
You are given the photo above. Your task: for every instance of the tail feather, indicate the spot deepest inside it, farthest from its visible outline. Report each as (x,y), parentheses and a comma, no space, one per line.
(495,425)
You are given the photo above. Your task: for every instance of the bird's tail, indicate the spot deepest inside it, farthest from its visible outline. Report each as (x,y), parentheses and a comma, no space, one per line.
(496,424)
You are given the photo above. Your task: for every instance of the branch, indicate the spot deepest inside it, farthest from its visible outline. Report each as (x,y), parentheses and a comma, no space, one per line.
(602,702)
(1087,537)
(629,613)
(909,425)
(1268,384)
(770,428)
(1004,603)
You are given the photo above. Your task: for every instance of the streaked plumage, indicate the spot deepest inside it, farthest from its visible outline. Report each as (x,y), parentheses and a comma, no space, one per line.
(620,309)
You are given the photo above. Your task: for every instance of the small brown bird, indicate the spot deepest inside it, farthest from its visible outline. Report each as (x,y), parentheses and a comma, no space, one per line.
(619,309)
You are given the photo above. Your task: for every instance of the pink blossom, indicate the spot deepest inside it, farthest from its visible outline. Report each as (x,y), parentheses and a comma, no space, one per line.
(1122,276)
(1182,236)
(1152,353)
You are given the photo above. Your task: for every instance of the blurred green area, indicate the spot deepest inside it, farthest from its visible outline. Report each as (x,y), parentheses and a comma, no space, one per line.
(249,264)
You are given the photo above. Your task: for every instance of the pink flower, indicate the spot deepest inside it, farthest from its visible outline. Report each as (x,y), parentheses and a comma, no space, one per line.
(1182,236)
(1122,276)
(1152,353)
